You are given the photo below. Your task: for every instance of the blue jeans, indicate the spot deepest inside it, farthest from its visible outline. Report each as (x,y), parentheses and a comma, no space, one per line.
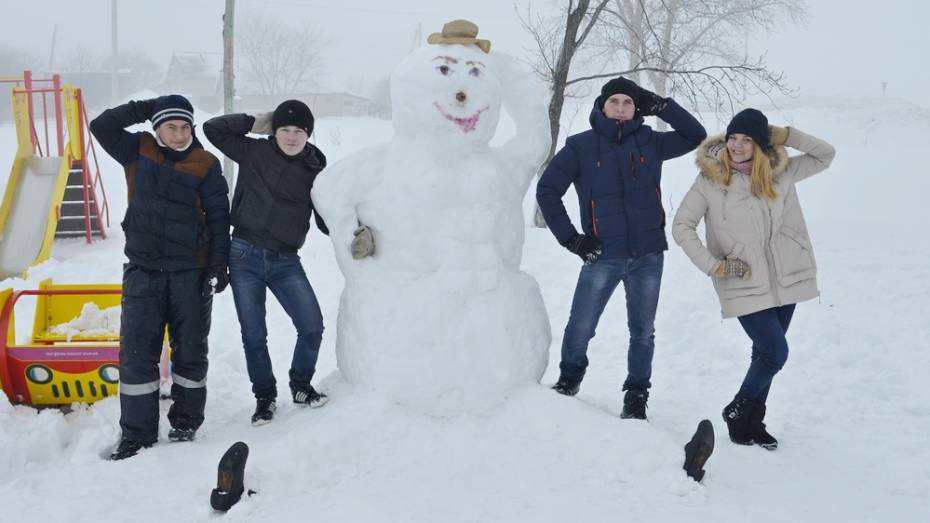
(767,329)
(252,270)
(641,277)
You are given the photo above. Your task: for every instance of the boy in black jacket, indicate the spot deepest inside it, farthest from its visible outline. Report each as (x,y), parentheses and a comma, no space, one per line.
(271,213)
(177,243)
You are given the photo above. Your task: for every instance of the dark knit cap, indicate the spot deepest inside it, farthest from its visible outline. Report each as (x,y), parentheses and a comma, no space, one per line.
(292,112)
(753,124)
(620,85)
(171,107)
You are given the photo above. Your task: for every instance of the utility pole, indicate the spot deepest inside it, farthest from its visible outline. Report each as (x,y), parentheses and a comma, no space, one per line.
(229,90)
(114,54)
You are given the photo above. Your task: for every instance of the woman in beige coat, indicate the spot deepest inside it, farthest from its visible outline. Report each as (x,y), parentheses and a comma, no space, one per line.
(758,252)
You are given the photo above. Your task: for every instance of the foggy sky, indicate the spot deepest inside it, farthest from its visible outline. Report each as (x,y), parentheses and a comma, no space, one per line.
(844,48)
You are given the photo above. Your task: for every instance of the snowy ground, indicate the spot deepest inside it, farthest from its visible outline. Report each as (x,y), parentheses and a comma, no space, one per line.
(849,408)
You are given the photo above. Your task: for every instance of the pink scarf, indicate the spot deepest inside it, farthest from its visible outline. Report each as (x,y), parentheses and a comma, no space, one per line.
(743,167)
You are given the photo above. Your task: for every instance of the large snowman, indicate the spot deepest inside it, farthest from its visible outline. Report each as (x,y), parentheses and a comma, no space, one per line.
(437,315)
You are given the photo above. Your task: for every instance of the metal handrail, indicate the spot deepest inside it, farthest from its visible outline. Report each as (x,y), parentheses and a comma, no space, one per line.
(85,125)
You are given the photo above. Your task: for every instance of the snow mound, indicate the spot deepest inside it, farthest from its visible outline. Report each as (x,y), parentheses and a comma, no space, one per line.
(92,322)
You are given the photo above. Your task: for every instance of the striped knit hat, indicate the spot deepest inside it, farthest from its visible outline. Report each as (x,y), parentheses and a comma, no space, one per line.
(171,107)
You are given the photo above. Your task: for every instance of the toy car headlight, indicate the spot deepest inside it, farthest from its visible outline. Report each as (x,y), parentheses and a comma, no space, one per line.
(109,373)
(39,374)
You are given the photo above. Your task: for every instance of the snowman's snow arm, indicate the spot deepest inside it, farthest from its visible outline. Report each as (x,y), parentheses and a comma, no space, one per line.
(333,196)
(339,191)
(525,100)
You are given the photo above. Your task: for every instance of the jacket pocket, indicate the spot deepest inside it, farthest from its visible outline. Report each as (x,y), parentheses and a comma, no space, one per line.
(794,258)
(756,284)
(607,216)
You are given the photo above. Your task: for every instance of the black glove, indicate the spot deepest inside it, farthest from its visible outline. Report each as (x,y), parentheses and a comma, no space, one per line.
(215,280)
(649,103)
(143,109)
(588,248)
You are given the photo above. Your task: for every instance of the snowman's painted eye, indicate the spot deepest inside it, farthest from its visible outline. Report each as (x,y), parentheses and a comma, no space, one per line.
(475,71)
(444,70)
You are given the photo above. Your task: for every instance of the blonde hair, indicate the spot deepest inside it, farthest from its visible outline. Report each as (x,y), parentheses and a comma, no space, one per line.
(762,178)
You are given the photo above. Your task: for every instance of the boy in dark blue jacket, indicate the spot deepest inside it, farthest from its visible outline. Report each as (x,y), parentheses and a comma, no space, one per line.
(177,243)
(616,168)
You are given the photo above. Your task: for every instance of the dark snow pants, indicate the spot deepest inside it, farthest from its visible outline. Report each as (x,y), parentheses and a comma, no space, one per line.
(152,300)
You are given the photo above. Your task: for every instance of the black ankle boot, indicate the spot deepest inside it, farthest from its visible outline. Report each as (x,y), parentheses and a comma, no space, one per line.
(634,404)
(761,436)
(128,448)
(737,414)
(567,386)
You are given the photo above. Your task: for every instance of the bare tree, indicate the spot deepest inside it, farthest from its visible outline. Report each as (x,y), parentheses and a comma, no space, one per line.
(555,59)
(686,48)
(276,56)
(694,50)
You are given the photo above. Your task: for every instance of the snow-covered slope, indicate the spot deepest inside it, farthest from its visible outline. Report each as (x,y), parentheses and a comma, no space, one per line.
(850,408)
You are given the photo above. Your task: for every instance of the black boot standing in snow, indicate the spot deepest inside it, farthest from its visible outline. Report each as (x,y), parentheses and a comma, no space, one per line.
(634,404)
(744,421)
(760,436)
(566,386)
(737,415)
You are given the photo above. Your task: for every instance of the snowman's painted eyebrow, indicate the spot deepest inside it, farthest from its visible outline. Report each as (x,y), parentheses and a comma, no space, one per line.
(447,59)
(470,62)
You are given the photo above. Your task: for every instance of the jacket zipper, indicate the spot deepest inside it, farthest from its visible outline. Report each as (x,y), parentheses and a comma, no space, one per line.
(723,206)
(594,218)
(661,207)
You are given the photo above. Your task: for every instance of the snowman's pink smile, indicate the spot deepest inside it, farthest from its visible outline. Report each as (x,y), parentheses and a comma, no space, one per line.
(467,124)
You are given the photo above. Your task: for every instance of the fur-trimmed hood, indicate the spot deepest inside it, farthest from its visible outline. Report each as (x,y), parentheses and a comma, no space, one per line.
(708,158)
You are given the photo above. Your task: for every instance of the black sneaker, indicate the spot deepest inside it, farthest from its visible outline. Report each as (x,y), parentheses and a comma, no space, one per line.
(181,434)
(264,411)
(230,477)
(698,450)
(566,387)
(128,448)
(634,404)
(309,397)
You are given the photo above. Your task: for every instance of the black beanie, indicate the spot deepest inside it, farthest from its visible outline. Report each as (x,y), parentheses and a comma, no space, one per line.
(620,85)
(292,112)
(171,107)
(753,124)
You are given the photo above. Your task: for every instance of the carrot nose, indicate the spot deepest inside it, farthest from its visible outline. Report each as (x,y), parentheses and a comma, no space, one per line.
(460,96)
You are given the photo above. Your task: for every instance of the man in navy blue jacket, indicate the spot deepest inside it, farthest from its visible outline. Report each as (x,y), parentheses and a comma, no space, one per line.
(616,168)
(177,243)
